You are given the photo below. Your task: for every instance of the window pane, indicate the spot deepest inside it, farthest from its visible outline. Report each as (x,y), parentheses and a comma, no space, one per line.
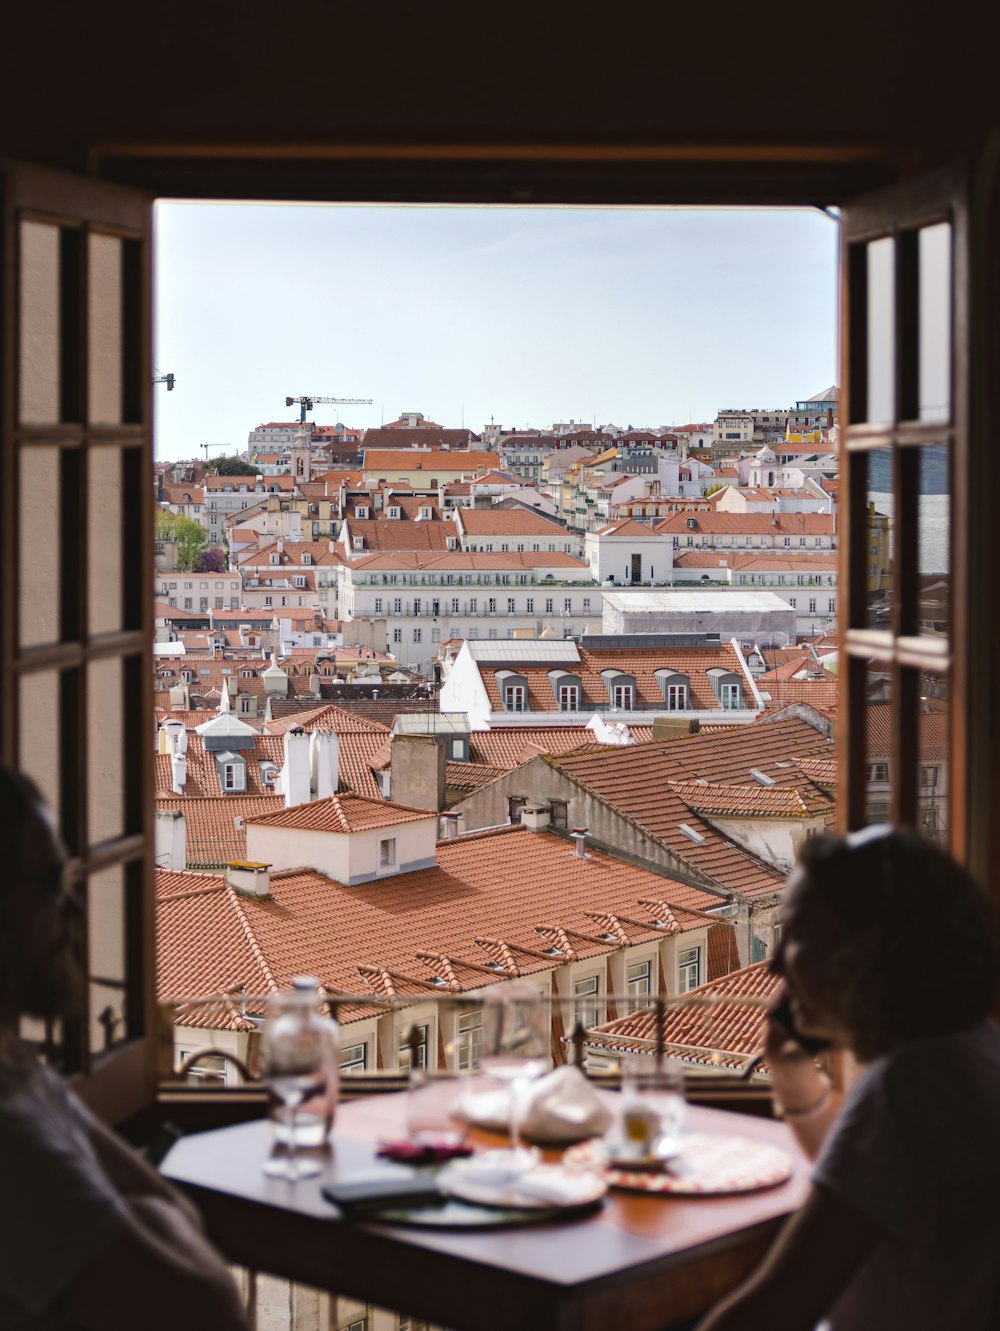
(878,549)
(934,540)
(106,957)
(38,755)
(933,758)
(38,590)
(105,330)
(879,774)
(104,558)
(881,331)
(106,924)
(105,752)
(40,323)
(934,250)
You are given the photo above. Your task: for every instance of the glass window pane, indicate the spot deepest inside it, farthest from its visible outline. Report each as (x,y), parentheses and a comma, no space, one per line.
(878,548)
(933,758)
(38,564)
(38,747)
(105,750)
(879,773)
(105,330)
(40,324)
(934,251)
(106,1009)
(106,924)
(104,561)
(881,331)
(934,540)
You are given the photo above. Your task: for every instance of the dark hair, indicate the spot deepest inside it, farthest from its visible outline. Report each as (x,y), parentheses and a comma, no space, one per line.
(895,896)
(19,798)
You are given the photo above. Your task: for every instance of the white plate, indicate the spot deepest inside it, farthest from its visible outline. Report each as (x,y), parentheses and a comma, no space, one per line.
(546,1187)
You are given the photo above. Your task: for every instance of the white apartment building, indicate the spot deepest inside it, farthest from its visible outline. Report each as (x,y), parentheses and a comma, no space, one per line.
(806,583)
(199,592)
(429,599)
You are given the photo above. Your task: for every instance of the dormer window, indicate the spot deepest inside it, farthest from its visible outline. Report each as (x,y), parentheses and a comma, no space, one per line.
(363,511)
(275,559)
(621,690)
(298,580)
(393,511)
(425,513)
(307,558)
(359,542)
(513,690)
(676,689)
(727,687)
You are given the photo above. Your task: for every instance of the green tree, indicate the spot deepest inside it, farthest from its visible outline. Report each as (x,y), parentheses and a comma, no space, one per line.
(234,466)
(191,538)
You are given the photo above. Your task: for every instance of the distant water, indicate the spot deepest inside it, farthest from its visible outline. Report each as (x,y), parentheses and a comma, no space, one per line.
(934,511)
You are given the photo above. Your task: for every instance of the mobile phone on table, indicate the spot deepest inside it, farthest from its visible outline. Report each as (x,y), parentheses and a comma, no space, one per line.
(782,1014)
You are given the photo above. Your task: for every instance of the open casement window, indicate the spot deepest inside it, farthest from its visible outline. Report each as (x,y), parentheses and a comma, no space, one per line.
(905,477)
(76,620)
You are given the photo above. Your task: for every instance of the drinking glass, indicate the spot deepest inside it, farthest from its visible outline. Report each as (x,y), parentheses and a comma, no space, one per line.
(515,1048)
(652,1105)
(432,1108)
(296,1056)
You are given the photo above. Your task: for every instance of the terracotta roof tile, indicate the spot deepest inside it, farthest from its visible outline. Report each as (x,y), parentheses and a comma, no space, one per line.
(434,459)
(725,1028)
(694,662)
(215,828)
(716,523)
(344,813)
(488,895)
(510,522)
(803,801)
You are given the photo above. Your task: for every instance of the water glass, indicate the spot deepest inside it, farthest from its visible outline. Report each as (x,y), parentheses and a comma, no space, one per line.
(652,1105)
(432,1105)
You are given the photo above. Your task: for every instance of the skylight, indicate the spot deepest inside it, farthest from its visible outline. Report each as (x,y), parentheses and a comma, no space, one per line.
(761,778)
(691,834)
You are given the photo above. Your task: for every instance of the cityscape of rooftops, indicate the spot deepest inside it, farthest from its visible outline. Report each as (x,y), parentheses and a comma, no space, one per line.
(496,604)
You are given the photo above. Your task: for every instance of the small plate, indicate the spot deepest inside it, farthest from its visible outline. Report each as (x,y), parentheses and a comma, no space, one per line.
(662,1158)
(544,1188)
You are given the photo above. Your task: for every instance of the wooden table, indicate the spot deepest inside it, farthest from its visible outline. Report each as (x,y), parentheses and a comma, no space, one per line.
(640,1264)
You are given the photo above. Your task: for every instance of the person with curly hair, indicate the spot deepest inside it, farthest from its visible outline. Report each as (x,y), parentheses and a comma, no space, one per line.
(888,950)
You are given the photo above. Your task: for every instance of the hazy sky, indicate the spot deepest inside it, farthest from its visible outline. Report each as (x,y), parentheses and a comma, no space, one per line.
(636,316)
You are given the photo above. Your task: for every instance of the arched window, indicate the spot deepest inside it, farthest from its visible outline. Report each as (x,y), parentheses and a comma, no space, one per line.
(621,690)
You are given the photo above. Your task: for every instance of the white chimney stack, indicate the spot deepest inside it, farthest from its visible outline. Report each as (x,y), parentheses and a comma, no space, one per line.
(450,825)
(324,754)
(249,878)
(295,783)
(170,839)
(178,773)
(579,835)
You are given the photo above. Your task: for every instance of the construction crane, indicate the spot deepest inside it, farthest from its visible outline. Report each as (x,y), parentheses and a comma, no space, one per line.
(168,379)
(306,403)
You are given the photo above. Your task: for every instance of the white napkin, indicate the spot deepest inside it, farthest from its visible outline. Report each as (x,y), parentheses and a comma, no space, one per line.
(559,1108)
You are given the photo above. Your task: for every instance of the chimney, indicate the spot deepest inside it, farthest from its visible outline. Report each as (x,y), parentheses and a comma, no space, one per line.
(671,727)
(178,773)
(450,825)
(314,686)
(535,817)
(579,835)
(417,771)
(324,763)
(249,878)
(295,773)
(170,839)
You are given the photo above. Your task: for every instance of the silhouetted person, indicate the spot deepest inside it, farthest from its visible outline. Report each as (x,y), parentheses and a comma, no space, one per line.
(888,949)
(91,1238)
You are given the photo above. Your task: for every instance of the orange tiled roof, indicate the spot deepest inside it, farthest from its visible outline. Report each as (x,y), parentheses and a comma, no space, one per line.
(392,534)
(509,522)
(344,813)
(327,717)
(215,828)
(778,561)
(641,663)
(726,1028)
(433,459)
(507,748)
(635,781)
(716,523)
(491,895)
(802,801)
